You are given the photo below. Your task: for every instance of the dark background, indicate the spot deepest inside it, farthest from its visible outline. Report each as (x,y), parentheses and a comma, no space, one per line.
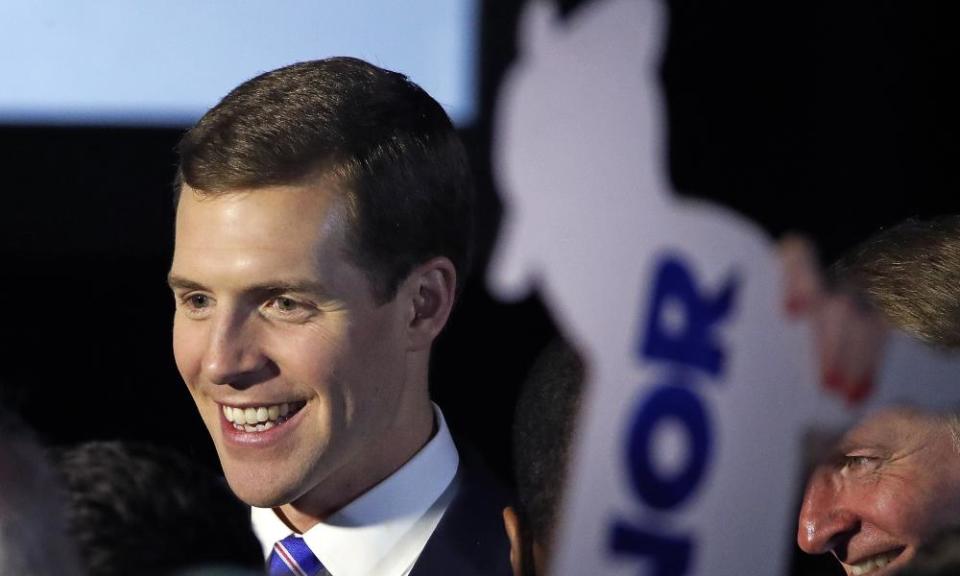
(829,118)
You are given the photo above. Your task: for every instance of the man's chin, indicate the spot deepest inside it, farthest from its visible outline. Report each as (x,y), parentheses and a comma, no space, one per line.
(260,489)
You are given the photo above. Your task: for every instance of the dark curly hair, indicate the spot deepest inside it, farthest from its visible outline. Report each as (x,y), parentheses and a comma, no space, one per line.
(142,509)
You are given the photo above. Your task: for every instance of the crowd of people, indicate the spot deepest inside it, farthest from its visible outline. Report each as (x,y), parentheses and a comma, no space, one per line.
(323,225)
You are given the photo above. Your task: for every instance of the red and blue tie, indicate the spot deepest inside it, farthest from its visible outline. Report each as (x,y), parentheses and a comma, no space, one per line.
(292,557)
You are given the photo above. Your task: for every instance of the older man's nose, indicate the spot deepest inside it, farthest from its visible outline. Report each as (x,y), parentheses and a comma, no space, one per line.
(825,522)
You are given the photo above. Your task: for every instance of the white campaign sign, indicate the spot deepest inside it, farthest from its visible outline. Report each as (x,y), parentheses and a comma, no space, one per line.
(688,458)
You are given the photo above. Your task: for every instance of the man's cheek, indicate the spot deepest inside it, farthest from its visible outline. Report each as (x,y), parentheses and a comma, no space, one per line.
(932,514)
(187,354)
(901,512)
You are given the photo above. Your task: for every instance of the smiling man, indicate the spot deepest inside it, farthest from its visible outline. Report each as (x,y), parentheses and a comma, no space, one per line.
(323,227)
(891,484)
(893,481)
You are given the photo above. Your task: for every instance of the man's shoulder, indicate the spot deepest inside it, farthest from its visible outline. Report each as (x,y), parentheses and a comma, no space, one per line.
(470,539)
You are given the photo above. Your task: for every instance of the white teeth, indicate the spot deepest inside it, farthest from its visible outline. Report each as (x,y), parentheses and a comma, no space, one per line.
(256,419)
(870,565)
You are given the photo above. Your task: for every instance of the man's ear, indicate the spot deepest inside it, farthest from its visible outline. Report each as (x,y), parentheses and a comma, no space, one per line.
(512,525)
(430,289)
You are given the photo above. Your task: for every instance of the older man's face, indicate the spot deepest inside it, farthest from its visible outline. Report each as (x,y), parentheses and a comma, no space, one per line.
(891,483)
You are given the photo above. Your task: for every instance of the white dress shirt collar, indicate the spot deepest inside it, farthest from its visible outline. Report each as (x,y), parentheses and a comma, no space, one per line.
(384,530)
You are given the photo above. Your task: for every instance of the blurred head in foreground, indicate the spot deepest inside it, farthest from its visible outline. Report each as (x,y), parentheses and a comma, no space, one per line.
(33,541)
(146,510)
(893,481)
(543,430)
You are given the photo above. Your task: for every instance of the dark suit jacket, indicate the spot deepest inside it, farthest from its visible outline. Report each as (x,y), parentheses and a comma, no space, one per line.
(470,539)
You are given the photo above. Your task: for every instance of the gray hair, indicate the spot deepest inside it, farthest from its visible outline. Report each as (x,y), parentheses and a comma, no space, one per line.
(953,423)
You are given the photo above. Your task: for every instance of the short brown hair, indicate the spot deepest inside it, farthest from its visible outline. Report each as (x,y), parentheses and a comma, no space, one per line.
(911,274)
(387,145)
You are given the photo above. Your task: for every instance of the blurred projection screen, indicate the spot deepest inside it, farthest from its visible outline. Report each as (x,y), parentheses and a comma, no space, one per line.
(114,62)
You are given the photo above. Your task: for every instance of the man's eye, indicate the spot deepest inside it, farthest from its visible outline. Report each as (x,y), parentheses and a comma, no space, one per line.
(853,464)
(288,308)
(196,305)
(198,301)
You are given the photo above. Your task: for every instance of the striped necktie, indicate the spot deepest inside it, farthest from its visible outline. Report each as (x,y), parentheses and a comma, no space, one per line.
(292,557)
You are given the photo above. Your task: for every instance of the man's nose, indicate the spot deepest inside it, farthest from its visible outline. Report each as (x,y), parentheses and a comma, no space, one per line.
(825,522)
(233,355)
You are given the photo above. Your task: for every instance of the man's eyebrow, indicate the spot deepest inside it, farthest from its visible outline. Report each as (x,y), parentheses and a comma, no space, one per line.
(855,442)
(276,287)
(177,282)
(273,287)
